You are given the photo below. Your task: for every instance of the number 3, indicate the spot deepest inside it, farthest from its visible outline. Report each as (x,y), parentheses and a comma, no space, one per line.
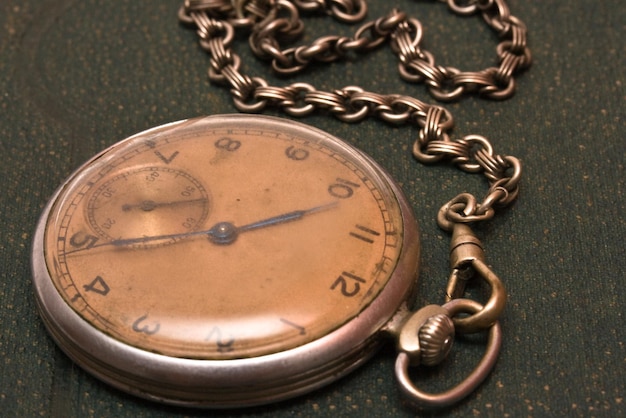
(146,329)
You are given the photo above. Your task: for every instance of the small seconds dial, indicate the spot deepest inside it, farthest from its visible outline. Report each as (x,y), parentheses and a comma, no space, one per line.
(148,201)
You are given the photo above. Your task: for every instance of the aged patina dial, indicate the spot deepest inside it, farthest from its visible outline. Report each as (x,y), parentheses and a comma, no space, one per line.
(224,260)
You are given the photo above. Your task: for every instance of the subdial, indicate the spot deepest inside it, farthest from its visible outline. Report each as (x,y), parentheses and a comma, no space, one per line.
(148,201)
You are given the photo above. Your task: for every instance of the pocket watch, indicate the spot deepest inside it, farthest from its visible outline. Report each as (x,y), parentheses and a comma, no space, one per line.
(225,260)
(236,260)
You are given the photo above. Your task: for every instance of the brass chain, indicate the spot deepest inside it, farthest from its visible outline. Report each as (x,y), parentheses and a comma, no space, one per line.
(271,24)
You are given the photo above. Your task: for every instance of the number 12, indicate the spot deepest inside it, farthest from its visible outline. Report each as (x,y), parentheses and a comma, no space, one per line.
(348,284)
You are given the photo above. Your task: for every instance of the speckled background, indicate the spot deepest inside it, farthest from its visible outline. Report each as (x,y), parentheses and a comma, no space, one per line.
(75,76)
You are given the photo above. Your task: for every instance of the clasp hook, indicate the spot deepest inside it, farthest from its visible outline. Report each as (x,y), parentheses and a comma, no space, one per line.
(467,260)
(433,332)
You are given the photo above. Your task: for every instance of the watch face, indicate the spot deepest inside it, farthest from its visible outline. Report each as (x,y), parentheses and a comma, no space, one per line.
(224,238)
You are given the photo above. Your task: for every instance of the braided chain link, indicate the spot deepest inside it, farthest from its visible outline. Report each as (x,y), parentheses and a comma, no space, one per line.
(273,23)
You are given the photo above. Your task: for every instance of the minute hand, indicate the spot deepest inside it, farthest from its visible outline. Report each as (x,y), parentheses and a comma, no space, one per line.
(226,233)
(286,217)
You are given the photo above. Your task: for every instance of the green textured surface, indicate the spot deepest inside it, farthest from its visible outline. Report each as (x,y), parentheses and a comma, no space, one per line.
(75,76)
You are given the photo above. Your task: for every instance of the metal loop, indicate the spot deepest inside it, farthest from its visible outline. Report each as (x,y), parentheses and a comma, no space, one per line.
(184,16)
(290,68)
(454,215)
(445,90)
(497,16)
(218,75)
(420,150)
(431,74)
(472,81)
(469,203)
(359,110)
(469,384)
(289,25)
(265,35)
(387,24)
(355,116)
(485,147)
(220,56)
(510,197)
(240,99)
(469,9)
(327,51)
(510,184)
(215,29)
(518,38)
(310,5)
(349,11)
(514,164)
(495,195)
(332,101)
(455,150)
(499,93)
(484,4)
(375,40)
(488,314)
(382,107)
(345,44)
(306,53)
(207,5)
(493,166)
(368,98)
(241,85)
(462,209)
(251,11)
(409,73)
(402,44)
(389,115)
(524,58)
(305,109)
(280,95)
(507,68)
(438,121)
(407,109)
(270,49)
(418,108)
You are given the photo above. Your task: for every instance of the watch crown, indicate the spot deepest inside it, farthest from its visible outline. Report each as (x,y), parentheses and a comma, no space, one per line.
(436,337)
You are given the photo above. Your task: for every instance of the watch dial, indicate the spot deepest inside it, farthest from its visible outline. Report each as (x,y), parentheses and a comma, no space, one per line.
(223,238)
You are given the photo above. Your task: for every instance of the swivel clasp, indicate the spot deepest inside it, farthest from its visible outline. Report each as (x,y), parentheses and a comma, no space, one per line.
(467,261)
